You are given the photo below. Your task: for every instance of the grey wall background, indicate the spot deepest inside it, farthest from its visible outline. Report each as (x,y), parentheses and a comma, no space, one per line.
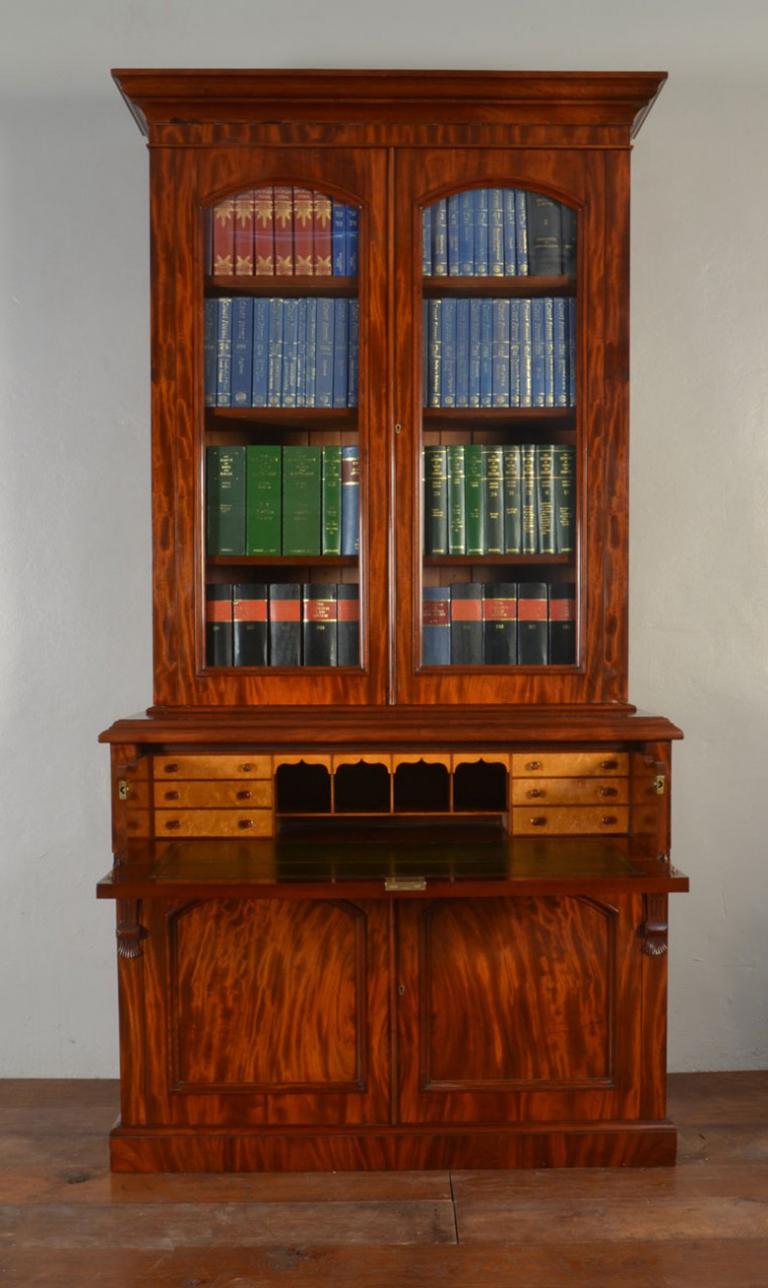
(74,480)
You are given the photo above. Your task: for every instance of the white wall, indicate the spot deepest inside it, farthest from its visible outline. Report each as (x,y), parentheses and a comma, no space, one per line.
(74,484)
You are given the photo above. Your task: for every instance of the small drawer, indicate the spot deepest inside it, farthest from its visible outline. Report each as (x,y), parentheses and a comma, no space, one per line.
(134,794)
(569,764)
(243,795)
(213,822)
(566,821)
(570,791)
(243,766)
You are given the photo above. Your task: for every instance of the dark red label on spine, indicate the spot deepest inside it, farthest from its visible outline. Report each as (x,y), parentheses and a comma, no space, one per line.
(562,610)
(436,612)
(497,610)
(319,610)
(284,610)
(349,610)
(218,610)
(532,610)
(467,610)
(250,610)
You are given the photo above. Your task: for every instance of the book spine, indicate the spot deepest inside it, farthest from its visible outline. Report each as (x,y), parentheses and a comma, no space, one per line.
(545,242)
(435,352)
(242,351)
(435,501)
(303,260)
(549,352)
(264,232)
(537,353)
(510,234)
(340,351)
(500,623)
(243,245)
(210,352)
(223,352)
(425,353)
(224,238)
(321,234)
(532,632)
(284,624)
(568,225)
(467,623)
(448,373)
(564,499)
(515,349)
(560,338)
(440,238)
(339,239)
(284,231)
(466,233)
(301,500)
(474,352)
(495,232)
(301,353)
(493,474)
(572,352)
(481,232)
(275,372)
(462,353)
(529,518)
(486,351)
(521,233)
(436,625)
(348,628)
(260,377)
(319,624)
(526,355)
(475,498)
(331,509)
(218,625)
(457,501)
(354,353)
(353,240)
(562,623)
(513,501)
(500,353)
(324,372)
(426,241)
(350,501)
(311,376)
(545,498)
(289,375)
(249,623)
(454,264)
(225,500)
(263,499)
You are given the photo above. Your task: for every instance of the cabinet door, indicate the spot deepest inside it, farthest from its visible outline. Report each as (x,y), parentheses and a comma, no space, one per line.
(511,397)
(270,456)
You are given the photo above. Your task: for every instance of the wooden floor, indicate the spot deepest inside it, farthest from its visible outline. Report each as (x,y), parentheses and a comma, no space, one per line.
(65,1221)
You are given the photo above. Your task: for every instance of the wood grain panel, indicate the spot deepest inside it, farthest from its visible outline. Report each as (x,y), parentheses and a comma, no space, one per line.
(214,822)
(570,791)
(243,765)
(569,764)
(536,820)
(256,794)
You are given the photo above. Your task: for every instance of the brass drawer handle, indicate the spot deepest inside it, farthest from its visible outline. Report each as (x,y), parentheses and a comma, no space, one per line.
(533,764)
(171,769)
(607,791)
(245,823)
(244,796)
(609,764)
(172,824)
(171,796)
(539,821)
(535,791)
(607,819)
(245,769)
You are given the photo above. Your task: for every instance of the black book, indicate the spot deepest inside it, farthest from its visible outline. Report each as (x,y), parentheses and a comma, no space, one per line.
(532,632)
(348,632)
(562,623)
(545,236)
(218,625)
(466,623)
(285,624)
(249,624)
(500,623)
(318,624)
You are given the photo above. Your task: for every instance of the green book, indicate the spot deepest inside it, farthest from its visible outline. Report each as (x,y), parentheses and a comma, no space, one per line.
(225,500)
(331,469)
(545,498)
(263,500)
(513,534)
(457,502)
(493,518)
(564,499)
(530,525)
(475,498)
(301,500)
(435,501)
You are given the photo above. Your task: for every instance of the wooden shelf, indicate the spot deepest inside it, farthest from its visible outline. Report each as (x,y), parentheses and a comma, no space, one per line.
(281,287)
(494,417)
(523,287)
(282,561)
(223,418)
(477,561)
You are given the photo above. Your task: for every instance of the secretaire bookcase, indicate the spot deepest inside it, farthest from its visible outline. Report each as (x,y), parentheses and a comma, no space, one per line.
(391,846)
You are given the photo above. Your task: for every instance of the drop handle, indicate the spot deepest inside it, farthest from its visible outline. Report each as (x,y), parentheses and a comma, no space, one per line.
(245,769)
(607,819)
(172,824)
(171,796)
(171,769)
(609,764)
(245,823)
(607,791)
(534,792)
(533,764)
(244,796)
(539,821)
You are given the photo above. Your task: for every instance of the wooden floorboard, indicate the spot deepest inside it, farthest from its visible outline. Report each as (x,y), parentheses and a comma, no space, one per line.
(65,1222)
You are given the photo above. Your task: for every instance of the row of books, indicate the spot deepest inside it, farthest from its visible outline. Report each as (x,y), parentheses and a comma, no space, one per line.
(498,232)
(476,623)
(281,353)
(282,232)
(516,500)
(499,353)
(271,500)
(282,624)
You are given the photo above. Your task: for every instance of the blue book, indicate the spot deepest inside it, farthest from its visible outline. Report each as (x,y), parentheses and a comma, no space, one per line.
(549,352)
(350,501)
(486,342)
(474,352)
(353,221)
(425,353)
(560,328)
(340,351)
(454,267)
(301,355)
(481,232)
(426,241)
(338,238)
(242,350)
(526,384)
(572,351)
(495,232)
(500,353)
(324,351)
(260,353)
(440,238)
(290,352)
(354,352)
(436,626)
(435,352)
(538,378)
(210,353)
(462,353)
(515,384)
(311,352)
(223,352)
(275,375)
(510,234)
(448,375)
(521,233)
(467,233)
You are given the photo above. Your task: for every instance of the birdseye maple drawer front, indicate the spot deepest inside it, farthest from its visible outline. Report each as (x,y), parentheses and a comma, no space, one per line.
(563,820)
(198,794)
(243,766)
(569,764)
(570,791)
(213,822)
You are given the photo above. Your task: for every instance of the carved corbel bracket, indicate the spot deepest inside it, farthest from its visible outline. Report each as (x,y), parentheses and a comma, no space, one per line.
(653,931)
(130,931)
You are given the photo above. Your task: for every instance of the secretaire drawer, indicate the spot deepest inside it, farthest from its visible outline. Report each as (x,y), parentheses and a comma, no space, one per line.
(564,821)
(198,794)
(243,766)
(213,822)
(570,791)
(569,764)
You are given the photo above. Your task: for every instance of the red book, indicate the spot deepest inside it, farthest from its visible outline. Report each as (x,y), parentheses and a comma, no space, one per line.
(302,231)
(264,232)
(321,233)
(244,235)
(284,232)
(224,238)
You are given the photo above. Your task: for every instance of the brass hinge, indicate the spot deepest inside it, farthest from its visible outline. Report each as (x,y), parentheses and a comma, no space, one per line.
(401,885)
(659,783)
(123,789)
